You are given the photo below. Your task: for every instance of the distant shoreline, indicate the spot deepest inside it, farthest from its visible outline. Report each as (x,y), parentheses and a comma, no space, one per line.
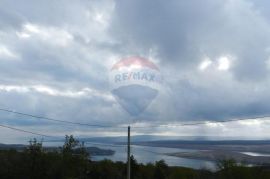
(93,151)
(216,155)
(217,150)
(262,146)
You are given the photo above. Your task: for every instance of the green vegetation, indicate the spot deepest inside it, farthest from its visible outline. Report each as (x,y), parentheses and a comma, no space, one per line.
(72,162)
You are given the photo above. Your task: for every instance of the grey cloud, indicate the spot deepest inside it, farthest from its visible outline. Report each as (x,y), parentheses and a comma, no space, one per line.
(180,34)
(183,32)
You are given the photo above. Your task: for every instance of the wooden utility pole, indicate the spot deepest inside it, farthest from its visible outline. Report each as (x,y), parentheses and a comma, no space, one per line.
(128,154)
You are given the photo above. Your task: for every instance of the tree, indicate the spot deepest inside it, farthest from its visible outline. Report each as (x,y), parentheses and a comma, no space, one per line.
(75,158)
(70,144)
(161,170)
(226,164)
(34,159)
(226,167)
(134,167)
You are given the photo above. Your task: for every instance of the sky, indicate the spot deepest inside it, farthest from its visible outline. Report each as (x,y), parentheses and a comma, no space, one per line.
(55,59)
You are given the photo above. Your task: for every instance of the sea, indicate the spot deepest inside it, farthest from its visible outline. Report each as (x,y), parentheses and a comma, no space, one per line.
(147,154)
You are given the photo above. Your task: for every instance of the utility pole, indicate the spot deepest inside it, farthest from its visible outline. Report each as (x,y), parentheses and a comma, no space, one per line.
(128,154)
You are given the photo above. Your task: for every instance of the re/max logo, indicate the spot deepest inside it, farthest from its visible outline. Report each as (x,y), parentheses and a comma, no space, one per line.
(134,76)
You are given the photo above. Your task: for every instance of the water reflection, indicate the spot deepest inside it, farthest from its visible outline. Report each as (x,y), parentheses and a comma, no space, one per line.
(145,154)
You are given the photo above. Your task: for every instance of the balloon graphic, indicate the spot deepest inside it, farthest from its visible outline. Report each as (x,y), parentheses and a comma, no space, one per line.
(135,82)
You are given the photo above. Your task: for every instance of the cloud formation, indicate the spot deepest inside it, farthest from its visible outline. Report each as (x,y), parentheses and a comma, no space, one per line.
(214,56)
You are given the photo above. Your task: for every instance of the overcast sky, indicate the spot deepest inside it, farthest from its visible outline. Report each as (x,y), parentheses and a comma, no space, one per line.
(55,58)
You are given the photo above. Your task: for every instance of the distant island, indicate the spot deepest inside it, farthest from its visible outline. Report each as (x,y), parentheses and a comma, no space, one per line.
(92,151)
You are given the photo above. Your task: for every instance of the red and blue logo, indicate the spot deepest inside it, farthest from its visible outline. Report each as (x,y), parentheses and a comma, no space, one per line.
(135,82)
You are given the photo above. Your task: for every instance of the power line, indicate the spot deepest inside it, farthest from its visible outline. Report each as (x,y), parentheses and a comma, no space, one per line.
(61,121)
(25,131)
(150,126)
(93,143)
